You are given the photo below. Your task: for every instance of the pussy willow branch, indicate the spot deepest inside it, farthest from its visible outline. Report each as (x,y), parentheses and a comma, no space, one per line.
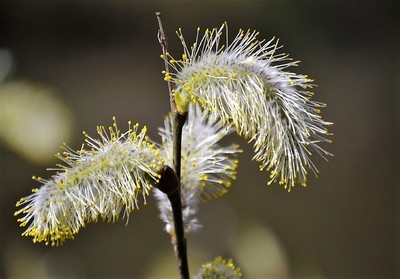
(179,241)
(162,39)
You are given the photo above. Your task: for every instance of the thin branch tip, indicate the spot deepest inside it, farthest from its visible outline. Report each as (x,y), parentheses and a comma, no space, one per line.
(162,39)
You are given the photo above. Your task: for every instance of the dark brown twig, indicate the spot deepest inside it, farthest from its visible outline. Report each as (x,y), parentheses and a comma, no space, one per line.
(179,240)
(162,39)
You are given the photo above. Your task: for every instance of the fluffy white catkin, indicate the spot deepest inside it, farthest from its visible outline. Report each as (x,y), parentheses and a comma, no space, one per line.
(207,168)
(246,84)
(100,181)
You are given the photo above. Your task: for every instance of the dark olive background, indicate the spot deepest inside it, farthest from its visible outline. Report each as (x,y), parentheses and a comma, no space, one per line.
(103,58)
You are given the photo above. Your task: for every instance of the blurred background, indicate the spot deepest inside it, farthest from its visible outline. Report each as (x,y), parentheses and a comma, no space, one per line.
(67,66)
